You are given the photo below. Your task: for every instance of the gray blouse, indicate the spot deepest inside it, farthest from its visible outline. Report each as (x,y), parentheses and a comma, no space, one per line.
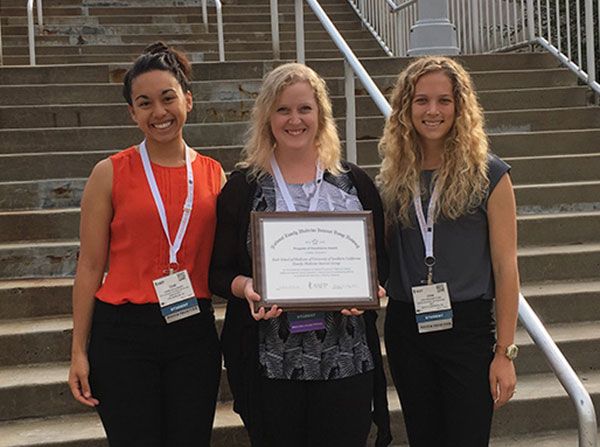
(461,249)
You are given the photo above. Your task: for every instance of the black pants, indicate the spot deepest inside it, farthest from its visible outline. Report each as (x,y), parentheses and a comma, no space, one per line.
(442,378)
(317,413)
(156,382)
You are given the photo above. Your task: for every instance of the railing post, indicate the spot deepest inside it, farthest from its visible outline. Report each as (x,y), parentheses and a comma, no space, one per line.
(589,41)
(275,29)
(475,28)
(40,13)
(30,32)
(220,37)
(299,10)
(1,54)
(351,153)
(205,16)
(433,33)
(531,20)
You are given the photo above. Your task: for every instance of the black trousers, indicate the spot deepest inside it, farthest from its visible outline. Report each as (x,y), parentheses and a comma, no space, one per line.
(156,382)
(317,413)
(442,378)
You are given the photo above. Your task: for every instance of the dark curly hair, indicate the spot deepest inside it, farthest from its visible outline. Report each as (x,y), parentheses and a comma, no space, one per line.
(159,56)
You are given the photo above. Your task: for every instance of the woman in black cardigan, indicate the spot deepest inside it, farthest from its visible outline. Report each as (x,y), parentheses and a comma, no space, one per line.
(279,399)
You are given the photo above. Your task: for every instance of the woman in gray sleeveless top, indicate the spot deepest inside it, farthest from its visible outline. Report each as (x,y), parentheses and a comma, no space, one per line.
(452,240)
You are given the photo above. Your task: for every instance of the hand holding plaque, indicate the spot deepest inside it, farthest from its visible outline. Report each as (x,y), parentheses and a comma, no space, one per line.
(314,260)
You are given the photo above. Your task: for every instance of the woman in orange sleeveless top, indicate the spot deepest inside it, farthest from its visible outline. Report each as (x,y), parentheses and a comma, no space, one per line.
(152,364)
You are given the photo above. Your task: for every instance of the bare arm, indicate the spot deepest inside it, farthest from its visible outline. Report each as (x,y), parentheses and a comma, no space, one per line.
(223,178)
(96,214)
(502,219)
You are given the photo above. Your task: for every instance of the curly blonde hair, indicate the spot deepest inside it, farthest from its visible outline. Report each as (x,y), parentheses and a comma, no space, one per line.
(462,177)
(260,140)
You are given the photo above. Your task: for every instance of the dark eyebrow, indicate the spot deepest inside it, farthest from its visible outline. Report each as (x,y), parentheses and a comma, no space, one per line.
(167,91)
(141,96)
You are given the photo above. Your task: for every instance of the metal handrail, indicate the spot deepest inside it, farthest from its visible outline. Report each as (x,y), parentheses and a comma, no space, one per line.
(388,22)
(588,431)
(495,26)
(589,75)
(394,7)
(220,37)
(559,364)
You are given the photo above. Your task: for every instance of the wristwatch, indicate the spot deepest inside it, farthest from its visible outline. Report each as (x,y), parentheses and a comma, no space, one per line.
(511,351)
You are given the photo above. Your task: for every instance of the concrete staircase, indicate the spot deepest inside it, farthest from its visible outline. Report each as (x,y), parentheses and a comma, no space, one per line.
(84,31)
(57,121)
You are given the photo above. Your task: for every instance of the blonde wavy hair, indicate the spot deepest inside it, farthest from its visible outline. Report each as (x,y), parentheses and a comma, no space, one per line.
(260,140)
(462,177)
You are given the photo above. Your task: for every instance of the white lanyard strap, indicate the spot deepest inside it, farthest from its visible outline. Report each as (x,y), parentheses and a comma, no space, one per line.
(287,198)
(187,208)
(426,226)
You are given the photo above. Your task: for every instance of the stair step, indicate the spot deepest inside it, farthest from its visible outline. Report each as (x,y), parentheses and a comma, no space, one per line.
(558,228)
(85,430)
(26,389)
(21,299)
(39,225)
(86,93)
(51,20)
(232,133)
(40,340)
(38,259)
(34,298)
(563,302)
(208,45)
(227,10)
(554,168)
(558,197)
(578,340)
(199,56)
(42,194)
(550,142)
(176,39)
(217,105)
(257,69)
(562,438)
(531,198)
(559,263)
(542,119)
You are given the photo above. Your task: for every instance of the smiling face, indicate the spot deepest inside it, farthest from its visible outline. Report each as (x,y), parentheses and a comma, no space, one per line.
(295,118)
(433,109)
(160,106)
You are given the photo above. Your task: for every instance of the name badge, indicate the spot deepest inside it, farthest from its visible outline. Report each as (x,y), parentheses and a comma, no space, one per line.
(432,307)
(306,321)
(176,296)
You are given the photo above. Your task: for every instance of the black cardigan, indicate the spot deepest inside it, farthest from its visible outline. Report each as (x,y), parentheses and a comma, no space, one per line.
(239,338)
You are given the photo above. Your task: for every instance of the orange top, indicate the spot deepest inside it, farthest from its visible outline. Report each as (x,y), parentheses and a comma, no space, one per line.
(139,251)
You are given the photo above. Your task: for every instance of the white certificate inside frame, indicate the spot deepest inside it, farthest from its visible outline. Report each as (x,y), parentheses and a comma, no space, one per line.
(315,260)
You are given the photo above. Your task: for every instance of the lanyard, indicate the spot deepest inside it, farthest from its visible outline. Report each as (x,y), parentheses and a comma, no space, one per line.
(187,208)
(426,226)
(287,198)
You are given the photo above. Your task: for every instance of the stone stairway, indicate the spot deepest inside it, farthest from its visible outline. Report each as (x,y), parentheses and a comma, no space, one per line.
(87,31)
(57,121)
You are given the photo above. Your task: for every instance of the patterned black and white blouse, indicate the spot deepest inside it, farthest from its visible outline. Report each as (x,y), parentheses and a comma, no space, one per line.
(338,351)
